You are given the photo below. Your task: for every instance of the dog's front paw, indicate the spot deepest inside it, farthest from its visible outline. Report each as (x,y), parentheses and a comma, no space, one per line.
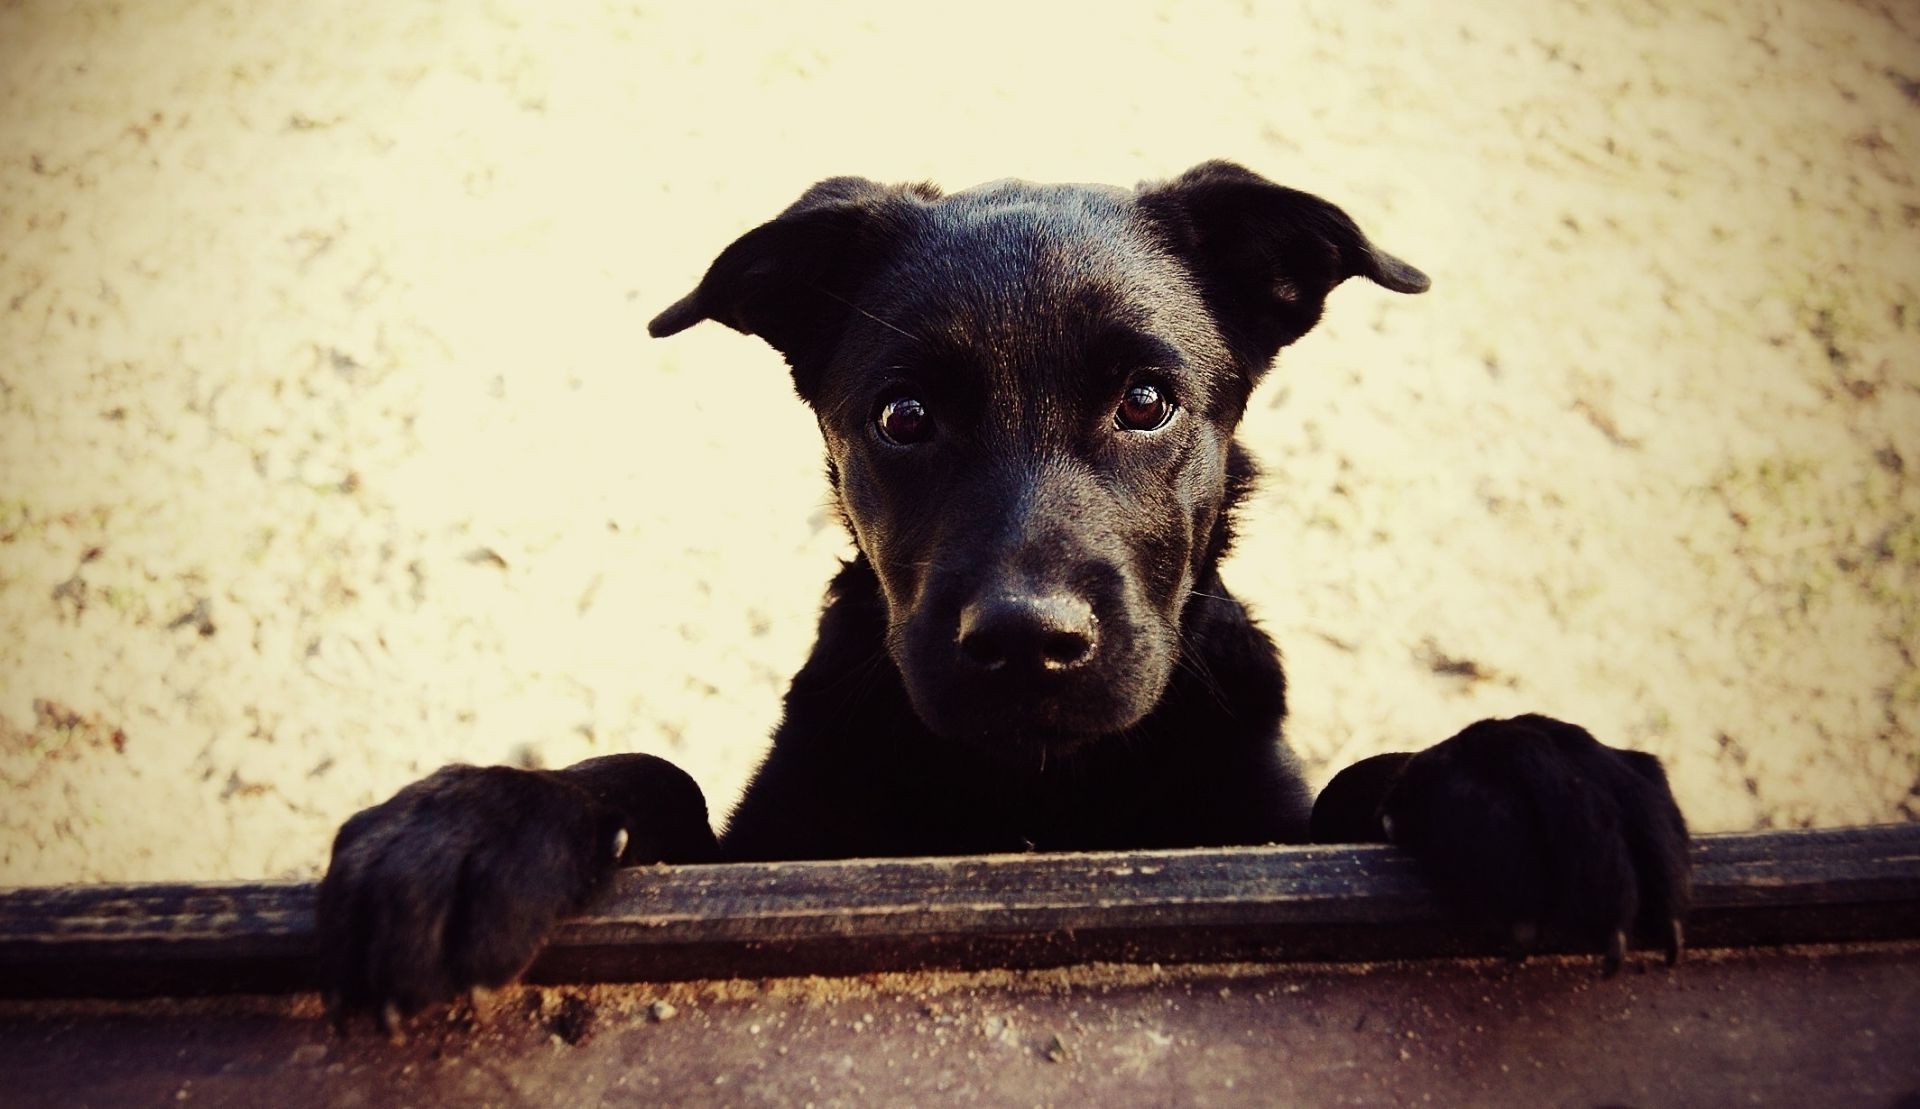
(454,883)
(1539,829)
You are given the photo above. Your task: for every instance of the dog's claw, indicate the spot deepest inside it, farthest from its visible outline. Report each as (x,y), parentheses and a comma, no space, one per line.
(387,1020)
(619,844)
(1616,953)
(480,999)
(1520,940)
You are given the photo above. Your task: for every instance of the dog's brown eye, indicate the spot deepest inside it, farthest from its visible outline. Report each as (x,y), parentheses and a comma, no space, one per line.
(1144,408)
(904,421)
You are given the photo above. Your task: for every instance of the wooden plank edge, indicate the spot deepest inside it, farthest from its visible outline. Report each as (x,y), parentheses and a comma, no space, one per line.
(1321,903)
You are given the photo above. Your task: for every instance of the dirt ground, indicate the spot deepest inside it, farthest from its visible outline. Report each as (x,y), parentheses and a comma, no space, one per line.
(332,448)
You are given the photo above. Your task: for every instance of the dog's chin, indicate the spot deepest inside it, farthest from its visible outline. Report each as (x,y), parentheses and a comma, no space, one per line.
(1021,724)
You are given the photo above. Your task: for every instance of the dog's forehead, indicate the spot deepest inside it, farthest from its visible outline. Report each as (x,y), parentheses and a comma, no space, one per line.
(1015,270)
(1020,235)
(1013,191)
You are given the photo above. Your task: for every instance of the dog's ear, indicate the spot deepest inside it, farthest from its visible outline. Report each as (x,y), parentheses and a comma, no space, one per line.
(1266,256)
(792,279)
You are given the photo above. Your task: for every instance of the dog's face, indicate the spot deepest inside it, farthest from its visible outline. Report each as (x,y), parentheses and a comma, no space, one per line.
(1029,420)
(1028,395)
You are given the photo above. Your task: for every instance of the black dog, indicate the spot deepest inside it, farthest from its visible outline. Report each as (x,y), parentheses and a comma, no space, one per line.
(1028,395)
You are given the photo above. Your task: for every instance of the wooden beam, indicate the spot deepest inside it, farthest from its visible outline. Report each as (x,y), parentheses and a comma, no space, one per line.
(779,919)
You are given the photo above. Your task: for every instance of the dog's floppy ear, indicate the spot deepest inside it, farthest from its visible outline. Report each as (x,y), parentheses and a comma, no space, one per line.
(790,280)
(1266,256)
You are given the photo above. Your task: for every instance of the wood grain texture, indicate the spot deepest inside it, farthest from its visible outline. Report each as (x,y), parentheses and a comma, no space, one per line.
(776,919)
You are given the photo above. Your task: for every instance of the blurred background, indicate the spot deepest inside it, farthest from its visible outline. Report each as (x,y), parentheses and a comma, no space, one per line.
(332,448)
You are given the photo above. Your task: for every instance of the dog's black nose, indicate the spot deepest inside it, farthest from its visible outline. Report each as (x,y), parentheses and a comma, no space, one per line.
(1031,632)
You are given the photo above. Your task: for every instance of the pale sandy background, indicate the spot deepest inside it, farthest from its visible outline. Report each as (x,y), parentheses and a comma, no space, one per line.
(332,448)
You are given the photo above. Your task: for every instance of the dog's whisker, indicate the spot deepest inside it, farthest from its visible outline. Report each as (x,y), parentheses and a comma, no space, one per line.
(1194,664)
(876,319)
(864,671)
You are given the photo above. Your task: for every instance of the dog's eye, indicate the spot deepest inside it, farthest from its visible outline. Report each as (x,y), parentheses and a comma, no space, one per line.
(1144,408)
(904,421)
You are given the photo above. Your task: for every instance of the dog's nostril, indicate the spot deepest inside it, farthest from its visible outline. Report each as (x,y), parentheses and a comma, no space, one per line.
(984,649)
(1064,648)
(1051,632)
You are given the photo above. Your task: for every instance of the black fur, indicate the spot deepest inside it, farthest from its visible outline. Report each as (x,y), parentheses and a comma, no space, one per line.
(1033,648)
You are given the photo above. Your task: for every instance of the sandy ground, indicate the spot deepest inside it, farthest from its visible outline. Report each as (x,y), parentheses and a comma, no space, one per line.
(332,448)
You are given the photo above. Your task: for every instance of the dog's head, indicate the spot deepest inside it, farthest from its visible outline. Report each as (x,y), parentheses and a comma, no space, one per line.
(1028,394)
